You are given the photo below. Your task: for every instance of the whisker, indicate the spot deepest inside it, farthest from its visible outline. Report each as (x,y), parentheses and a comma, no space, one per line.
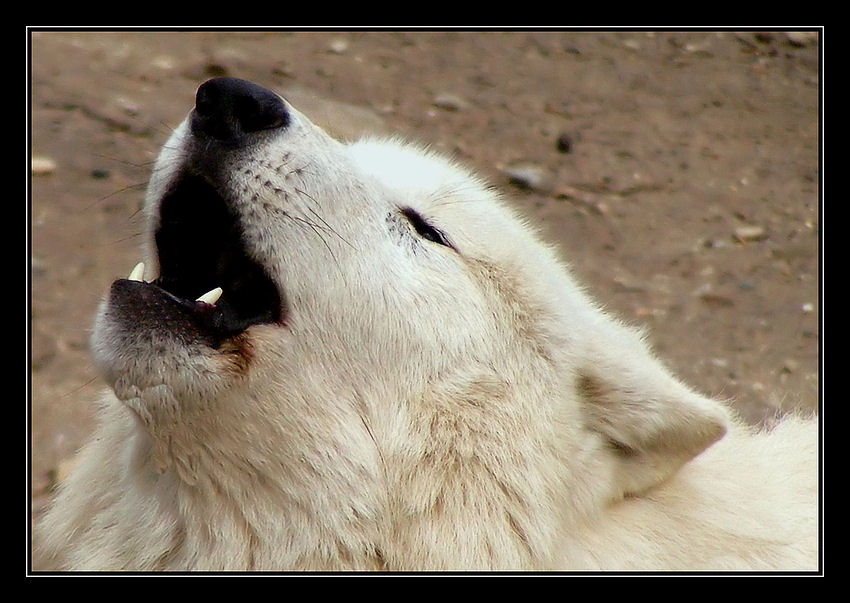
(316,231)
(331,229)
(124,189)
(301,169)
(126,162)
(134,236)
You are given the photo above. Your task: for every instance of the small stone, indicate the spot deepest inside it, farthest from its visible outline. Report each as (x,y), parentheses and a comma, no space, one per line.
(38,266)
(790,365)
(715,244)
(717,300)
(164,62)
(40,165)
(802,38)
(712,298)
(338,46)
(750,233)
(451,102)
(581,198)
(627,285)
(528,176)
(564,144)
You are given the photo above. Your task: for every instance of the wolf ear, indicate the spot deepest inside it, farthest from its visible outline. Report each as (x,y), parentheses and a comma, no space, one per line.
(652,423)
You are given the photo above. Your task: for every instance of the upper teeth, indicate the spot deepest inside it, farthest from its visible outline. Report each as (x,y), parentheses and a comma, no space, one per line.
(210,297)
(137,273)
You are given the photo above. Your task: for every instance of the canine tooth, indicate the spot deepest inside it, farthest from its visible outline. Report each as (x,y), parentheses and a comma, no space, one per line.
(137,273)
(210,297)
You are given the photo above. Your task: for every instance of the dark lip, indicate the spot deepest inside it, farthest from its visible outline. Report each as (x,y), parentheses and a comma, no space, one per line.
(151,309)
(200,244)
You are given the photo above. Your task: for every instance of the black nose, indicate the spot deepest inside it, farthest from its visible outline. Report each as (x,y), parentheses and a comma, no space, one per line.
(230,110)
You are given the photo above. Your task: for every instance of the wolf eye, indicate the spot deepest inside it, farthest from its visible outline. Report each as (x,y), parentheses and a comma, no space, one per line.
(423,229)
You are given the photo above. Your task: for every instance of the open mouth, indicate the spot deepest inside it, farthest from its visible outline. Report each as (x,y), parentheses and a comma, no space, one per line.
(208,285)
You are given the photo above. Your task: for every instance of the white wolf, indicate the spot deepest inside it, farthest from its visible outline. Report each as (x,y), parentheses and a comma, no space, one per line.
(391,373)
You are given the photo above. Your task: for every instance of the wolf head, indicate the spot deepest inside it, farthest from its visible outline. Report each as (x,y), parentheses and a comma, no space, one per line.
(390,342)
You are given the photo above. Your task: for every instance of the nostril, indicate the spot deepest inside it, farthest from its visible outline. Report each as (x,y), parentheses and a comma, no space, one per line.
(230,109)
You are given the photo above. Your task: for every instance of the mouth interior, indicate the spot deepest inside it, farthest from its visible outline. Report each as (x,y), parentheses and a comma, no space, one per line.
(200,244)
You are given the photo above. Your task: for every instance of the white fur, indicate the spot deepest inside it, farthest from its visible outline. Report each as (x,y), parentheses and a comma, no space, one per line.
(422,408)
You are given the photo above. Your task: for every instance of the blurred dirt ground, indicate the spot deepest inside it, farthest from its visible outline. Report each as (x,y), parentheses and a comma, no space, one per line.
(677,171)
